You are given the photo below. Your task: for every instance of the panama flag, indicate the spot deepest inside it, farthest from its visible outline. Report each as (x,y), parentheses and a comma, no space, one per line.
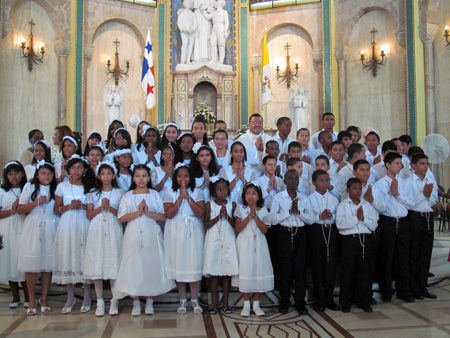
(148,74)
(266,92)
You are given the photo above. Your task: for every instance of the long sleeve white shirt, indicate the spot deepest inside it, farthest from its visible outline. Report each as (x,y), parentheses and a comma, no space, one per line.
(347,221)
(396,206)
(420,202)
(281,207)
(321,202)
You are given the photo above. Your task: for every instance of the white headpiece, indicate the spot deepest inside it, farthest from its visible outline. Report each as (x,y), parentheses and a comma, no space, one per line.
(181,164)
(132,167)
(43,142)
(122,151)
(41,163)
(173,124)
(196,147)
(214,179)
(115,133)
(78,157)
(182,134)
(146,128)
(10,163)
(94,132)
(71,139)
(107,163)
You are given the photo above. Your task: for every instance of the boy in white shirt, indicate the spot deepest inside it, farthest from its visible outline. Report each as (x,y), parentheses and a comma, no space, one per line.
(424,192)
(394,231)
(303,138)
(297,165)
(323,242)
(356,219)
(289,212)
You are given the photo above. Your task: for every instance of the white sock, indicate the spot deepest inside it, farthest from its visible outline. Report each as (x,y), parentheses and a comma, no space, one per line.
(256,304)
(247,304)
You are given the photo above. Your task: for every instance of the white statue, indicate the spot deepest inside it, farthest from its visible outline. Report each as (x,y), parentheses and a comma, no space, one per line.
(202,51)
(297,108)
(113,103)
(220,31)
(187,23)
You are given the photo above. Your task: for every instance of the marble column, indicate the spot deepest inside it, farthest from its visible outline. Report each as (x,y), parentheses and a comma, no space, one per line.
(427,35)
(317,59)
(62,50)
(88,51)
(342,74)
(255,61)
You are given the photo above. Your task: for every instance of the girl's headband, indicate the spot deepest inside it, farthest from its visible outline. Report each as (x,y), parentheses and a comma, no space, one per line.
(171,124)
(42,163)
(146,128)
(71,139)
(11,163)
(95,132)
(44,142)
(122,151)
(181,164)
(78,157)
(115,133)
(107,163)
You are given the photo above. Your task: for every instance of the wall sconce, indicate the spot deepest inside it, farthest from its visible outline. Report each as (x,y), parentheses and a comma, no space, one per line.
(446,34)
(288,74)
(373,64)
(117,71)
(30,54)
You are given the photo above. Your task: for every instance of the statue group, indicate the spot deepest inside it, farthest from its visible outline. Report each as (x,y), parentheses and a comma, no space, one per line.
(204,29)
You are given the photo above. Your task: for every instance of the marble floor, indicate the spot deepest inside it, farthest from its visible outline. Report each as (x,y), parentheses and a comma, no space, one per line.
(426,318)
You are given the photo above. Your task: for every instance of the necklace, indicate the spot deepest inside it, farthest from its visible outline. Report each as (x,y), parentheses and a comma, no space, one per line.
(105,211)
(362,239)
(18,194)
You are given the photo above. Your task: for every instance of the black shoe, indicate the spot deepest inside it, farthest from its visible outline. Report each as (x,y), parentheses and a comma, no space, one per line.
(430,274)
(406,298)
(368,309)
(429,295)
(345,309)
(373,301)
(283,309)
(319,307)
(301,309)
(386,298)
(418,296)
(333,306)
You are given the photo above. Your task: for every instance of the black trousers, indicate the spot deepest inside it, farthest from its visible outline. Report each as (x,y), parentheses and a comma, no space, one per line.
(422,237)
(272,243)
(355,273)
(323,261)
(292,264)
(394,254)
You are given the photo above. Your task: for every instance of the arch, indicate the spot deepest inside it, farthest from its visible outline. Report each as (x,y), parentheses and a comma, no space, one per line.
(429,10)
(127,23)
(205,91)
(307,36)
(56,16)
(349,28)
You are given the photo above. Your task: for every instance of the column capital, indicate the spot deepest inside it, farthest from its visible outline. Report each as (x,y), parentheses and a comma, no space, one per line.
(401,38)
(340,53)
(88,51)
(317,56)
(255,62)
(62,47)
(427,32)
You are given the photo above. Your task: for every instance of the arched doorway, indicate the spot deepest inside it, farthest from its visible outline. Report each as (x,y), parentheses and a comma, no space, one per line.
(205,91)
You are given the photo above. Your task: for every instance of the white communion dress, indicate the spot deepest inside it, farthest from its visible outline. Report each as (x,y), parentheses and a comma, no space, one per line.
(104,238)
(142,270)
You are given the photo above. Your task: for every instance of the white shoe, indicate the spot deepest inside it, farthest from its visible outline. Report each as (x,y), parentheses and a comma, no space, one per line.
(149,310)
(196,306)
(14,305)
(258,311)
(85,308)
(68,309)
(100,311)
(136,308)
(182,307)
(245,311)
(114,307)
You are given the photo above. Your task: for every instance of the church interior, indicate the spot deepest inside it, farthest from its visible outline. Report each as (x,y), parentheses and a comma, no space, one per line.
(322,49)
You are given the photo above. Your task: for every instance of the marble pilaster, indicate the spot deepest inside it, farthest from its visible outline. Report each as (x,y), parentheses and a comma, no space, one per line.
(62,50)
(256,68)
(342,74)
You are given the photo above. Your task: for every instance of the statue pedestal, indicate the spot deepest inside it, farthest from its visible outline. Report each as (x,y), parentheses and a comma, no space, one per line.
(187,76)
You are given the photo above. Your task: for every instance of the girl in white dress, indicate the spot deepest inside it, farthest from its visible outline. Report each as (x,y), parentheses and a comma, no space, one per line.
(185,154)
(237,173)
(198,129)
(184,235)
(170,135)
(149,153)
(41,151)
(11,226)
(162,176)
(94,156)
(104,238)
(142,270)
(220,148)
(204,168)
(69,147)
(37,241)
(220,242)
(123,161)
(70,241)
(255,267)
(137,146)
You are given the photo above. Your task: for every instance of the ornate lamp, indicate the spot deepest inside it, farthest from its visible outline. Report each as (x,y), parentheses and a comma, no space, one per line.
(288,74)
(30,54)
(117,72)
(373,64)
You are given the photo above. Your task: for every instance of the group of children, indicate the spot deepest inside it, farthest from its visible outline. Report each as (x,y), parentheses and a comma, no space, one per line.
(192,208)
